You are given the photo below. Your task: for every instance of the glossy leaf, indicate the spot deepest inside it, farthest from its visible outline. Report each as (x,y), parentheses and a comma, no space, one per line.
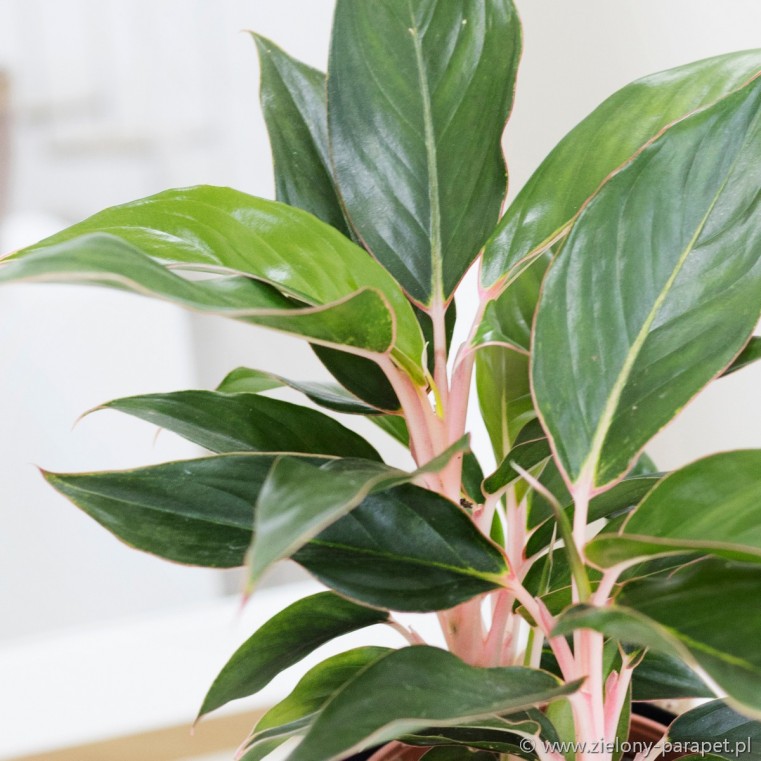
(597,146)
(284,640)
(618,500)
(730,734)
(199,512)
(243,422)
(685,614)
(665,677)
(438,687)
(102,259)
(710,507)
(298,500)
(293,103)
(493,733)
(458,754)
(405,549)
(508,319)
(750,354)
(421,180)
(360,376)
(293,715)
(223,230)
(623,341)
(531,449)
(328,395)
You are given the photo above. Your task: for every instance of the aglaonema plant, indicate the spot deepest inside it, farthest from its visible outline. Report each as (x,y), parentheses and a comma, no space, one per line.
(624,278)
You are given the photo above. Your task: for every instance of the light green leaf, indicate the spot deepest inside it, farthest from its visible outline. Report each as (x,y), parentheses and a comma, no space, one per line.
(329,395)
(245,422)
(750,354)
(199,512)
(710,507)
(716,727)
(223,230)
(623,340)
(531,449)
(599,145)
(284,640)
(360,322)
(298,500)
(438,688)
(425,201)
(293,102)
(444,753)
(406,549)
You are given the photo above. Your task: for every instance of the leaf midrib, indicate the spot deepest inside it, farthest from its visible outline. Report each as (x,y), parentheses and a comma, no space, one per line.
(437,285)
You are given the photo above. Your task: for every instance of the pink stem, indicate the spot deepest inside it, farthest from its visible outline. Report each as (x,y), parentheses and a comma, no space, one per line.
(494,645)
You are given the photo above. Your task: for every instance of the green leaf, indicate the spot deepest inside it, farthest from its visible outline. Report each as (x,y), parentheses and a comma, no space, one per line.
(359,322)
(531,449)
(293,103)
(596,147)
(717,728)
(406,549)
(293,715)
(709,506)
(361,376)
(504,396)
(458,754)
(508,319)
(223,230)
(425,201)
(501,734)
(243,422)
(750,354)
(298,500)
(284,640)
(685,614)
(664,677)
(199,512)
(328,395)
(437,688)
(678,290)
(620,499)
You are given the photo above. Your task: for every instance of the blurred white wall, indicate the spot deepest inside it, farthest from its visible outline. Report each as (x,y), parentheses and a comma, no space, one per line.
(115,99)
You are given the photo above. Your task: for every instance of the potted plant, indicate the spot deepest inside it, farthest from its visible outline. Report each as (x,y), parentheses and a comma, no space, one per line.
(572,581)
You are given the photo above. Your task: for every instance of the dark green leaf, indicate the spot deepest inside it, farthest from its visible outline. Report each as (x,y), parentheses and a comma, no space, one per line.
(199,512)
(361,376)
(407,549)
(242,422)
(600,144)
(750,354)
(717,728)
(710,507)
(298,500)
(701,614)
(438,688)
(329,395)
(664,677)
(620,499)
(458,754)
(293,102)
(494,733)
(422,181)
(623,341)
(284,640)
